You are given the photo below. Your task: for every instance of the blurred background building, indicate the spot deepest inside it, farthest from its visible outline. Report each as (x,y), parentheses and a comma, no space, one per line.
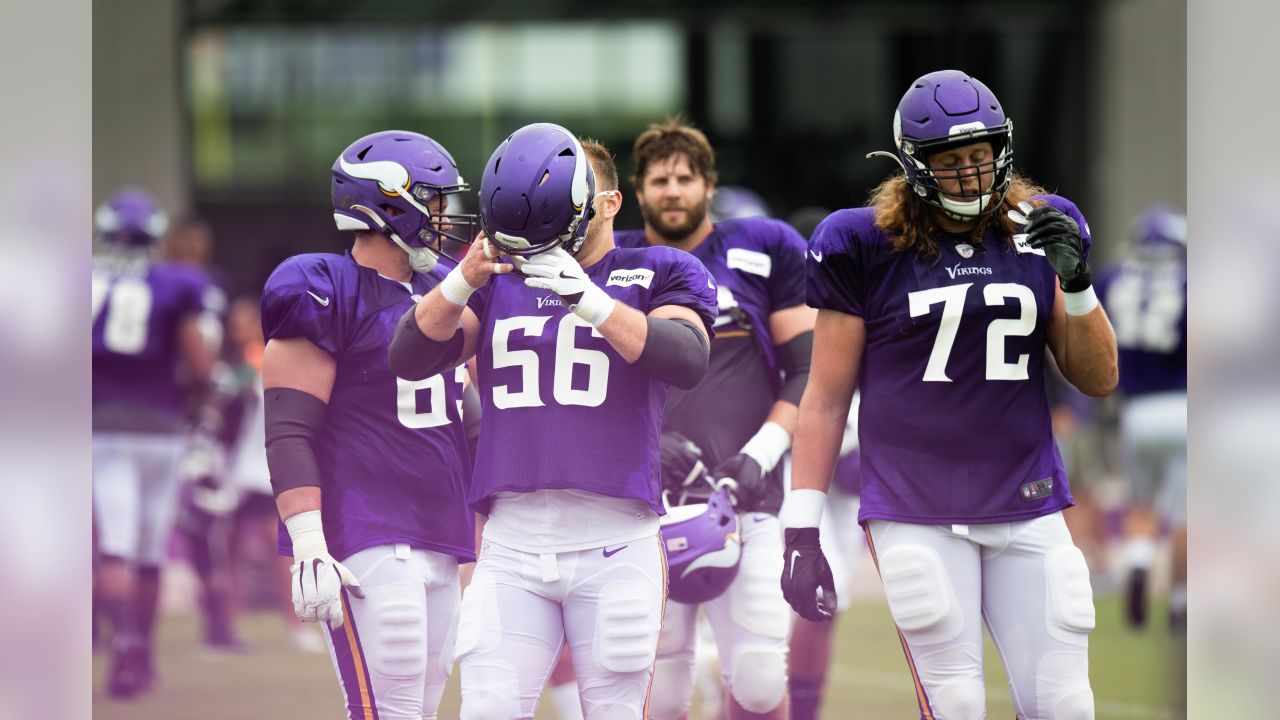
(235,109)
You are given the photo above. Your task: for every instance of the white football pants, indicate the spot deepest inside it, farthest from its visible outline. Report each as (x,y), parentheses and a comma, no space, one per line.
(751,622)
(1153,433)
(135,493)
(1025,579)
(606,603)
(394,651)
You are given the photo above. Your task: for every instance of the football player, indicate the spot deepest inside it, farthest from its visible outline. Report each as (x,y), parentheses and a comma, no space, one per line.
(576,355)
(1147,298)
(938,300)
(370,471)
(148,357)
(739,420)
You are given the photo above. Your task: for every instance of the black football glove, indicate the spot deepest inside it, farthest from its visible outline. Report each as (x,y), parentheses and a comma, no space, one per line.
(806,577)
(1051,230)
(681,462)
(745,479)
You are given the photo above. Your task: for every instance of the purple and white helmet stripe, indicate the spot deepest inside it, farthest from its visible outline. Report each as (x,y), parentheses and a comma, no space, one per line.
(385,182)
(537,190)
(704,548)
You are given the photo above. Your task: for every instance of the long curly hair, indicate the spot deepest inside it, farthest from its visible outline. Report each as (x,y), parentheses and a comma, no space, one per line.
(910,224)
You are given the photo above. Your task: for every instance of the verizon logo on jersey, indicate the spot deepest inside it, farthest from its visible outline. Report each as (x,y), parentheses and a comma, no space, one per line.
(624,278)
(957,271)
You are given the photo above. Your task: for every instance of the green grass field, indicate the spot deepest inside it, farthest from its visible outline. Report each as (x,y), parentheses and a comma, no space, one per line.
(1134,675)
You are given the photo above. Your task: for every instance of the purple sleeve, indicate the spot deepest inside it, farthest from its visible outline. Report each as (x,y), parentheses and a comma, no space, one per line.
(834,274)
(787,287)
(687,283)
(300,300)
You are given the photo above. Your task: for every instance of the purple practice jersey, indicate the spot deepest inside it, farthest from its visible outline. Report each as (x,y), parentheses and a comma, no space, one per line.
(137,308)
(561,408)
(954,421)
(1147,304)
(392,453)
(758,267)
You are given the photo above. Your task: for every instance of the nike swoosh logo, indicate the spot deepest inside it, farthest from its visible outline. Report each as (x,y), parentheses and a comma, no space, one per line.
(726,557)
(817,256)
(324,302)
(794,554)
(566,277)
(760,518)
(609,553)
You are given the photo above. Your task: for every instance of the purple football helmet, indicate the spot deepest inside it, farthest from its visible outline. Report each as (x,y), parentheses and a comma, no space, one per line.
(130,219)
(704,548)
(387,181)
(1160,231)
(732,202)
(941,111)
(537,191)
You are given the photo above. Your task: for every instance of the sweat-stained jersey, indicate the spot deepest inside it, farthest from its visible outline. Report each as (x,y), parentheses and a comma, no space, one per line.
(137,309)
(1147,304)
(392,453)
(954,421)
(758,266)
(561,408)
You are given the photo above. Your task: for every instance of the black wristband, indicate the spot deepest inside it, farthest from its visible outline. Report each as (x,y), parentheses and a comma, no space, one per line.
(1078,283)
(293,420)
(675,351)
(794,357)
(414,356)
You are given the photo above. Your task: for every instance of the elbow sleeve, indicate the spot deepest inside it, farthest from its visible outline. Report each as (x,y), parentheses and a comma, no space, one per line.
(293,420)
(675,351)
(794,357)
(414,356)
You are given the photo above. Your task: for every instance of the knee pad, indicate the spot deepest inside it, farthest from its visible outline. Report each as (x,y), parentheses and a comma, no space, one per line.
(627,624)
(1062,689)
(612,711)
(921,599)
(962,700)
(399,636)
(758,680)
(487,704)
(1070,612)
(672,691)
(1077,706)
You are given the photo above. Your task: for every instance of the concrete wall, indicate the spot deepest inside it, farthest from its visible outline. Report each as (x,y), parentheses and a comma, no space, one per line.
(1141,133)
(138,130)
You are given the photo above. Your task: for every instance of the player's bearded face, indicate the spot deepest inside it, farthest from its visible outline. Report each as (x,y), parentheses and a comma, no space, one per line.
(673,200)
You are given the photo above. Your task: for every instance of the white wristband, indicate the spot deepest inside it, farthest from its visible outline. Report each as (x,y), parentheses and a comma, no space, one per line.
(455,287)
(595,306)
(767,446)
(802,508)
(1080,303)
(307,533)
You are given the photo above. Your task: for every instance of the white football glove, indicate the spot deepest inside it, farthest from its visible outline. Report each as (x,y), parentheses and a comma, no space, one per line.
(556,270)
(317,578)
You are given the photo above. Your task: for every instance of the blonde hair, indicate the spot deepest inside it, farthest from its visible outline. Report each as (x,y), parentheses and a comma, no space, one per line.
(601,163)
(910,224)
